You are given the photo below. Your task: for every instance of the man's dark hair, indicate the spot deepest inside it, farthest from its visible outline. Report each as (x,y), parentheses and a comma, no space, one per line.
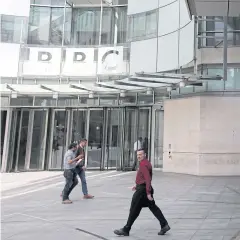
(82,140)
(140,150)
(72,145)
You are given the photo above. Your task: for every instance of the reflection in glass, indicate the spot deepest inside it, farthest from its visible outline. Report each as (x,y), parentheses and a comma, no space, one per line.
(39,23)
(56,26)
(79,125)
(151,20)
(142,25)
(143,129)
(59,139)
(38,140)
(158,141)
(95,138)
(23,134)
(130,134)
(13,29)
(113,145)
(86,26)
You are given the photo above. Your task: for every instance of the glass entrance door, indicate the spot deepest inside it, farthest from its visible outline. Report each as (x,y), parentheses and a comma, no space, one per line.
(113,144)
(95,138)
(137,131)
(38,139)
(58,138)
(18,140)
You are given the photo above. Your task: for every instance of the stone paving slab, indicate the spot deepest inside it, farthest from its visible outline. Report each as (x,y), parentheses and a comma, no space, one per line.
(14,180)
(197,208)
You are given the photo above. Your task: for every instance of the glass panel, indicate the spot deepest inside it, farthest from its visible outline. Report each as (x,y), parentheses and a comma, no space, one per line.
(13,29)
(56,29)
(38,140)
(143,130)
(151,24)
(130,135)
(3,125)
(86,26)
(59,139)
(13,141)
(113,145)
(68,24)
(121,24)
(95,138)
(139,23)
(23,140)
(79,125)
(158,141)
(39,24)
(107,26)
(41,2)
(58,2)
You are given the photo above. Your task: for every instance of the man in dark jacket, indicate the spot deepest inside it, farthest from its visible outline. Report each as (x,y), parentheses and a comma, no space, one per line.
(80,168)
(143,197)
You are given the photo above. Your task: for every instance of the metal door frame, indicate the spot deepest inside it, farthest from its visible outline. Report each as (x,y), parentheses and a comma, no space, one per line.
(54,110)
(30,137)
(87,136)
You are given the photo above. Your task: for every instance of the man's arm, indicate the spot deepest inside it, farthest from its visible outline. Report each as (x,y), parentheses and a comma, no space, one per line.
(147,177)
(70,160)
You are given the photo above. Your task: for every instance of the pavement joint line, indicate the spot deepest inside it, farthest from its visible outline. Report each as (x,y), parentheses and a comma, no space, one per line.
(39,182)
(64,225)
(56,184)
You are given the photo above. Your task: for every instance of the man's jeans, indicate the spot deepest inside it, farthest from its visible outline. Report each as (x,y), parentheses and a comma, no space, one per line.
(71,182)
(81,173)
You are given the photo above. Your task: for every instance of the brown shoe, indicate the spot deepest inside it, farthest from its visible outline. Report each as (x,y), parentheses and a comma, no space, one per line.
(88,196)
(67,201)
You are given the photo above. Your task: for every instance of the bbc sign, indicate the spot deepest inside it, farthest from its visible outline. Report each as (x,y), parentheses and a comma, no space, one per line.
(74,61)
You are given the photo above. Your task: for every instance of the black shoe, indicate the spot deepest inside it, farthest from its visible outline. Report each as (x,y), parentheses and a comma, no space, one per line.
(121,232)
(165,229)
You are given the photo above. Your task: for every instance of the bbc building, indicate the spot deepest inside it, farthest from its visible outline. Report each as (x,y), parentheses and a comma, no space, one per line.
(115,71)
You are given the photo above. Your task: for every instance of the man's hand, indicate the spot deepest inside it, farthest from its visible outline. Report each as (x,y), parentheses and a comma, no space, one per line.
(84,168)
(134,188)
(149,196)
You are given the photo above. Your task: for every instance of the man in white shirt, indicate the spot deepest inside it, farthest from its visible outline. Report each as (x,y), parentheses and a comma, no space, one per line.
(137,146)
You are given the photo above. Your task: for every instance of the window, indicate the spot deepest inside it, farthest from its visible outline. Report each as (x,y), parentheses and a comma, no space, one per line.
(86,26)
(39,23)
(56,26)
(212,29)
(143,25)
(13,29)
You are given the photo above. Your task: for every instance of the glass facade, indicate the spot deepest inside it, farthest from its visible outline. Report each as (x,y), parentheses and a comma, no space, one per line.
(211,31)
(81,26)
(13,29)
(39,137)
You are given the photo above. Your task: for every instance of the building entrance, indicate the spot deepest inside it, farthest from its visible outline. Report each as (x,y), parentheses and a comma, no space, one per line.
(38,138)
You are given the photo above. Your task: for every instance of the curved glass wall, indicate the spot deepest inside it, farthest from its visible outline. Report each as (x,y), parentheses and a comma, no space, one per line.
(81,27)
(142,25)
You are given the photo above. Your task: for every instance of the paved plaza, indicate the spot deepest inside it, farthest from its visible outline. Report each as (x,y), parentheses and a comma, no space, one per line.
(197,208)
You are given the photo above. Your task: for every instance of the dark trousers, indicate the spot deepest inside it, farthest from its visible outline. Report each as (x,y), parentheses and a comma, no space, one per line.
(140,200)
(71,182)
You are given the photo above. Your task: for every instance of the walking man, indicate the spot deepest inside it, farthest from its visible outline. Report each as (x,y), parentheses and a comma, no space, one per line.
(80,168)
(143,197)
(70,162)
